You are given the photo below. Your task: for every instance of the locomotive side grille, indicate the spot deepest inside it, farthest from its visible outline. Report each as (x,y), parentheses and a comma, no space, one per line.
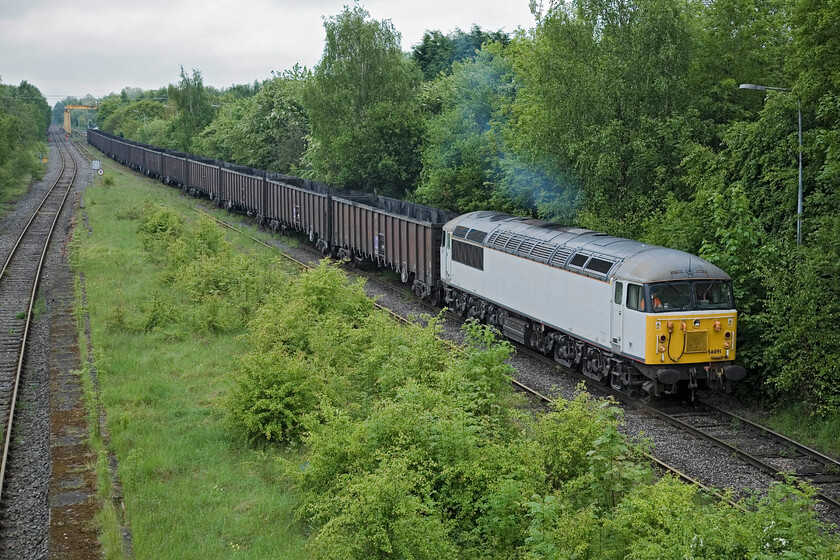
(696,342)
(514,242)
(501,240)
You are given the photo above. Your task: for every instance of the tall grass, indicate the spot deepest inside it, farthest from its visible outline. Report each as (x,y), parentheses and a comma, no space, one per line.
(191,490)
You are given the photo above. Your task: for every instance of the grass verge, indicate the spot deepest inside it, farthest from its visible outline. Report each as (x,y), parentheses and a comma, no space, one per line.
(819,433)
(191,490)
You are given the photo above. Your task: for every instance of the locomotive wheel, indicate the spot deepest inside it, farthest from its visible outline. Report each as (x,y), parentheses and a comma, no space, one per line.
(436,297)
(564,352)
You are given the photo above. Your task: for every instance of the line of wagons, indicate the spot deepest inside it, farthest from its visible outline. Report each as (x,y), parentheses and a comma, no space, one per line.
(396,234)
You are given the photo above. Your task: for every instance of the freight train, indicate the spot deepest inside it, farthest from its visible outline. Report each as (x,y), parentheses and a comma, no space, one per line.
(645,319)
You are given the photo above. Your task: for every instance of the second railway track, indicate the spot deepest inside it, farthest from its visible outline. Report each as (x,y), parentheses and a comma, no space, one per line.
(19,280)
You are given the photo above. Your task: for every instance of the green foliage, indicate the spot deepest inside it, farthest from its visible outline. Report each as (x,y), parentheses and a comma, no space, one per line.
(365,124)
(803,301)
(24,118)
(267,130)
(273,394)
(127,120)
(463,152)
(159,228)
(223,286)
(436,53)
(377,515)
(194,106)
(603,99)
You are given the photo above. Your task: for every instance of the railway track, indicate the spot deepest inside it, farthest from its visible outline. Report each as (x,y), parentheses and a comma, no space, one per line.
(814,467)
(19,280)
(759,446)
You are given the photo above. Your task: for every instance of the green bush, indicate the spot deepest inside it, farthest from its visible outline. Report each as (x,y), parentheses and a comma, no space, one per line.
(159,228)
(272,396)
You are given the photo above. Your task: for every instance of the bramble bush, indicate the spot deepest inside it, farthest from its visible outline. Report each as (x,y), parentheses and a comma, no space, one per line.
(413,451)
(221,286)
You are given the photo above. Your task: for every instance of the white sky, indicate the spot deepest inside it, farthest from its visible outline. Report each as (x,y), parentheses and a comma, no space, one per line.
(72,48)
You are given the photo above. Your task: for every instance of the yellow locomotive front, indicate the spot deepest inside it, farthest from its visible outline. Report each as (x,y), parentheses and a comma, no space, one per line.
(690,332)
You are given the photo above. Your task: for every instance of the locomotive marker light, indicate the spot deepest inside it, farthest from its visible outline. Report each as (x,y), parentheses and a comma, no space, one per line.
(799,194)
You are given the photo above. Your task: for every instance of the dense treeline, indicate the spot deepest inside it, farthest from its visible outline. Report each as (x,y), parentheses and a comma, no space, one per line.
(623,116)
(24,119)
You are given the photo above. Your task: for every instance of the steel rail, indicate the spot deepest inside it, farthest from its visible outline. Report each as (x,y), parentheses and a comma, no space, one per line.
(747,457)
(32,296)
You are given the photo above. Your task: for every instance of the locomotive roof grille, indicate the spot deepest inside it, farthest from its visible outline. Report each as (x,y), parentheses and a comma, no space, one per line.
(460,231)
(578,260)
(543,251)
(476,235)
(514,243)
(527,246)
(560,257)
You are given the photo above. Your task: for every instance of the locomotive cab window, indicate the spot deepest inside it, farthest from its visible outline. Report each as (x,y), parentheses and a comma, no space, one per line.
(618,292)
(713,295)
(635,297)
(670,296)
(685,296)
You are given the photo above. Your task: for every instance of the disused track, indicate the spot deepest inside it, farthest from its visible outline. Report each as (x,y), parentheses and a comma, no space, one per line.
(19,280)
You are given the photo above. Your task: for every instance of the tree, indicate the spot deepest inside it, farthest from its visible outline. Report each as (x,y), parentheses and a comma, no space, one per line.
(194,106)
(463,152)
(437,52)
(361,102)
(738,41)
(24,119)
(267,131)
(604,100)
(128,119)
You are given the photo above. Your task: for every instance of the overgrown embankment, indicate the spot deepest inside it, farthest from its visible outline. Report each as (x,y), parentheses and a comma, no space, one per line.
(390,444)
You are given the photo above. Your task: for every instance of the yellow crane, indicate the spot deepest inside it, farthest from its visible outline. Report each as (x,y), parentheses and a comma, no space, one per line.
(68,108)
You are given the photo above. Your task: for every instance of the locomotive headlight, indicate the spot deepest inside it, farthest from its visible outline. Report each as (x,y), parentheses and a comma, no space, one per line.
(662,338)
(727,335)
(661,348)
(727,344)
(717,325)
(696,323)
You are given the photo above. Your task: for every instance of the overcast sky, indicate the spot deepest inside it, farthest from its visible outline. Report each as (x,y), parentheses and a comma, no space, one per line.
(80,47)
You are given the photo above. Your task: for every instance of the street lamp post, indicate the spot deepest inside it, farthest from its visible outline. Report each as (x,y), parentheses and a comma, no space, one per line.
(799,194)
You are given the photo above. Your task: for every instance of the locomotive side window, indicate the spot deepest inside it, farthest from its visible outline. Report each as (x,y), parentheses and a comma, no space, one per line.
(618,292)
(470,255)
(635,297)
